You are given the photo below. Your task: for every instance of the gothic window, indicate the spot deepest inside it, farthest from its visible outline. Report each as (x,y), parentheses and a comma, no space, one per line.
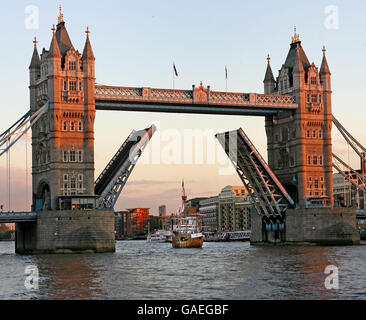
(313,80)
(320,134)
(315,160)
(308,134)
(72,85)
(292,161)
(66,177)
(314,98)
(314,134)
(321,160)
(309,160)
(65,156)
(80,156)
(72,65)
(73,183)
(72,126)
(80,126)
(64,125)
(72,156)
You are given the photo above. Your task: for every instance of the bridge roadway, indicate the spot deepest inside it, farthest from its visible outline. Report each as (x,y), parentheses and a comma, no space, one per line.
(15,217)
(198,100)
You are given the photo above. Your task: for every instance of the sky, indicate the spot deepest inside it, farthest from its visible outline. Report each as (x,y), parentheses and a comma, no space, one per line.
(135,44)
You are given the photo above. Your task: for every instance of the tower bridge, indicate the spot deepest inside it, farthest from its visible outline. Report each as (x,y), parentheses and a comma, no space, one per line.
(292,193)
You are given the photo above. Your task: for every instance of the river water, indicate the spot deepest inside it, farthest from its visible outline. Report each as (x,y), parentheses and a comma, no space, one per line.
(233,271)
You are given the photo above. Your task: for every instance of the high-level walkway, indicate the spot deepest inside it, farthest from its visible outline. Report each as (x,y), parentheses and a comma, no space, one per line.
(198,100)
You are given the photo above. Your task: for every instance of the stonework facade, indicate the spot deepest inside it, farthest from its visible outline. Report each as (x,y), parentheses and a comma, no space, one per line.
(63,139)
(299,142)
(233,213)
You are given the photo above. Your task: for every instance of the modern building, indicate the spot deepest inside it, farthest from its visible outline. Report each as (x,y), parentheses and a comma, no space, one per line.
(208,208)
(155,223)
(162,210)
(120,224)
(140,221)
(233,213)
(346,194)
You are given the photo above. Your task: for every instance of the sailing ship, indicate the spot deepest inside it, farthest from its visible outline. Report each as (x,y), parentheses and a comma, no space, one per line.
(186,233)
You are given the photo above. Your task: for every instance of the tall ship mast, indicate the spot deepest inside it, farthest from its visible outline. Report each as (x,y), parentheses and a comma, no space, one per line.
(186,233)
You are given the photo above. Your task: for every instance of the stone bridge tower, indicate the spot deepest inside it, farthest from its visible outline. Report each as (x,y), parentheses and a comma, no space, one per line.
(63,139)
(299,142)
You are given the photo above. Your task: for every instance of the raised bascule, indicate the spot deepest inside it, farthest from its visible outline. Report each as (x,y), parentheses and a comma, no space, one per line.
(292,194)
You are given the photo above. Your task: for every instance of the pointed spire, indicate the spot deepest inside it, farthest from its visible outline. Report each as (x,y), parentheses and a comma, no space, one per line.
(61,16)
(269,74)
(88,51)
(54,51)
(296,37)
(36,61)
(324,69)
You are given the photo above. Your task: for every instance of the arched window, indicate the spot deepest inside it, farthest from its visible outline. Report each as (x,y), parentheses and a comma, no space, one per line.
(72,126)
(64,126)
(80,126)
(315,160)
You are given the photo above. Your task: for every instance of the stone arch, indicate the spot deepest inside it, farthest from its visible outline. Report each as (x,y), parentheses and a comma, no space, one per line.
(43,196)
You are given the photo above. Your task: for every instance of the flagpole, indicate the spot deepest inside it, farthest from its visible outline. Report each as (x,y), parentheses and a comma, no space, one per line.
(226,77)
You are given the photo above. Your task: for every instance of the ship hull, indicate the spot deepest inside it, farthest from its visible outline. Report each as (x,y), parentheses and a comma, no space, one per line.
(181,243)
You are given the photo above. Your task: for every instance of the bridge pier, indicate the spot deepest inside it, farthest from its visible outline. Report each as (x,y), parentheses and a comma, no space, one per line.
(67,232)
(317,226)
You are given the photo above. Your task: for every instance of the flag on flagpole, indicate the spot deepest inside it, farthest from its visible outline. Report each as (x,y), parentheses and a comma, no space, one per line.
(226,72)
(175,70)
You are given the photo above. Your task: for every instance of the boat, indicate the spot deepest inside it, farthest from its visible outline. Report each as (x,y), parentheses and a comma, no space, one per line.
(160,236)
(186,233)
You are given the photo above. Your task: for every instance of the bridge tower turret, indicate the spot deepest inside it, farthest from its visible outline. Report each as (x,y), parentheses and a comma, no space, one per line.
(299,142)
(63,139)
(269,81)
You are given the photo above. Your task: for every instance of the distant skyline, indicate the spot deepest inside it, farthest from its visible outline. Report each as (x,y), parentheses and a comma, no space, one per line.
(136,43)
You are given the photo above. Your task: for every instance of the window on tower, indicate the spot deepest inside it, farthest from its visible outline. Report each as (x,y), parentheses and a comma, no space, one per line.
(72,65)
(309,160)
(72,85)
(313,80)
(72,156)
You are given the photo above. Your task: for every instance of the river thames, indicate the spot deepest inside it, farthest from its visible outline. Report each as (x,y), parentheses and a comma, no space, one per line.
(145,271)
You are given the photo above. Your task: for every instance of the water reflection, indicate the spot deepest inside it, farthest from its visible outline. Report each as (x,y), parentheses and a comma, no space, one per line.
(139,270)
(69,277)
